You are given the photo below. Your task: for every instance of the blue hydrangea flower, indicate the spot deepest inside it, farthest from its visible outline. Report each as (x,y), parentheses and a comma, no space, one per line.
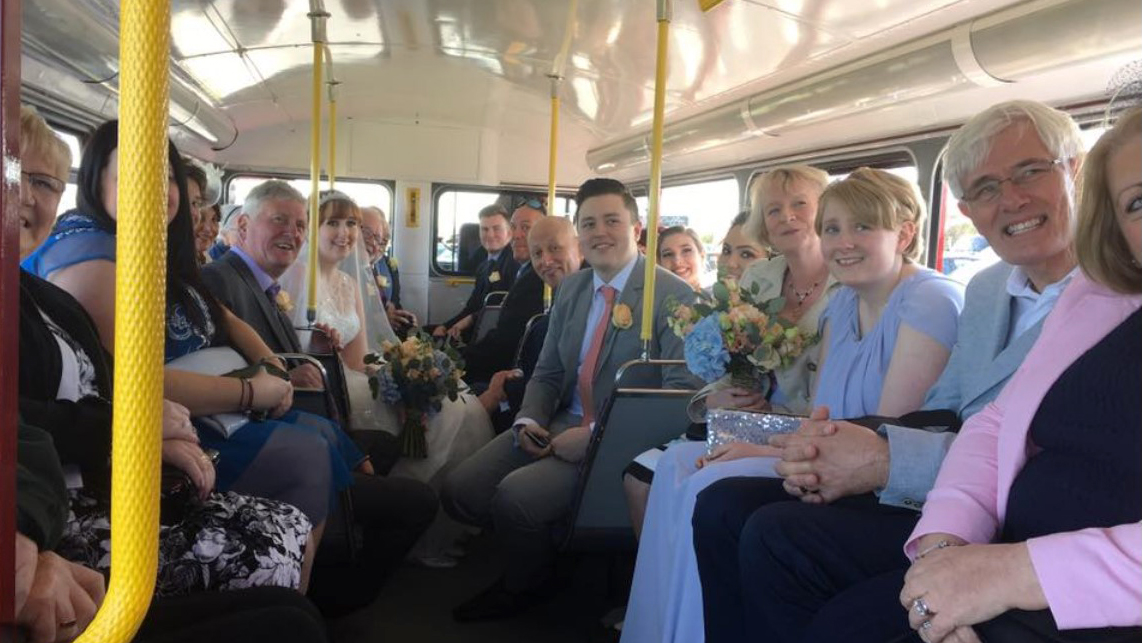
(706,354)
(387,387)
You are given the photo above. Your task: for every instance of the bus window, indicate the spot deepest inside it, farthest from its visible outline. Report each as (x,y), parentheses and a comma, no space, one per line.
(365,193)
(457,224)
(707,207)
(67,201)
(966,251)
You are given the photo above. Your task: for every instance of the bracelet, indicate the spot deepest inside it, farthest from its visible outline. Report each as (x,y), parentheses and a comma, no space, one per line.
(247,400)
(940,545)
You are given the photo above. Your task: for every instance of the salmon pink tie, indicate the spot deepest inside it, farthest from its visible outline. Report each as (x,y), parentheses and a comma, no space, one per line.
(591,361)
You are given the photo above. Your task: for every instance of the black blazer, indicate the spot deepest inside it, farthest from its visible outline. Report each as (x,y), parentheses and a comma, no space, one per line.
(504,269)
(231,282)
(81,430)
(496,351)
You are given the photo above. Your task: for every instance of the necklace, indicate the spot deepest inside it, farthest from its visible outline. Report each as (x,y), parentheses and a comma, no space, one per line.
(803,295)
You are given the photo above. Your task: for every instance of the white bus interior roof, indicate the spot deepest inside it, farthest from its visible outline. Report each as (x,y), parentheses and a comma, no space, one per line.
(458,90)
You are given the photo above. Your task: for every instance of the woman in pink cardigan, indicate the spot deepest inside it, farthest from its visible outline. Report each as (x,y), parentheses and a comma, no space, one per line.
(1032,532)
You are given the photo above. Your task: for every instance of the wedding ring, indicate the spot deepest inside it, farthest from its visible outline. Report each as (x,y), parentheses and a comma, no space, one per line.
(921,608)
(926,625)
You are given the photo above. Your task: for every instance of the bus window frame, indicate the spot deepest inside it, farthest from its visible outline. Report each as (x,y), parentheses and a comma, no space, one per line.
(229,176)
(438,191)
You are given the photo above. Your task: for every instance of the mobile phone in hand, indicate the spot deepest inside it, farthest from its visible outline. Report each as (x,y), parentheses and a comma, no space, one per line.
(538,441)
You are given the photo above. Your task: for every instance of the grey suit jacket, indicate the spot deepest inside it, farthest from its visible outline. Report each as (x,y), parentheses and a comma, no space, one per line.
(552,384)
(980,364)
(230,280)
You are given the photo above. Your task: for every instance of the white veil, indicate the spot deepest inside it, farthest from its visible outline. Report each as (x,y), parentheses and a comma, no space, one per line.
(334,304)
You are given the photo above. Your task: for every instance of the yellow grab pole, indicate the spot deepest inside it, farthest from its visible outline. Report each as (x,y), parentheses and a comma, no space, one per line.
(315,165)
(664,16)
(332,140)
(552,160)
(140,291)
(333,83)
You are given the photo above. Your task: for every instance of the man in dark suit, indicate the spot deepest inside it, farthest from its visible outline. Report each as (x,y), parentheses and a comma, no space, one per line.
(496,350)
(271,231)
(393,512)
(522,488)
(497,272)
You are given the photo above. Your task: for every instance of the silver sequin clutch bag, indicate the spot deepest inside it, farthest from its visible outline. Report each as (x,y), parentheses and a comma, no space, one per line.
(726,425)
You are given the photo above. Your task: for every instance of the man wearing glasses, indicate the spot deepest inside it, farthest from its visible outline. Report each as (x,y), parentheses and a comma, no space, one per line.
(376,235)
(1013,169)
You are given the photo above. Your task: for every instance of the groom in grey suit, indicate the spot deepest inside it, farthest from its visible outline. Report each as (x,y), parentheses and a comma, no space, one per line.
(1012,168)
(523,482)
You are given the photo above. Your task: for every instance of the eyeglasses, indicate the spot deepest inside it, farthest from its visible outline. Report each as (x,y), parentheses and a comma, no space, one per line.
(44,183)
(986,192)
(533,203)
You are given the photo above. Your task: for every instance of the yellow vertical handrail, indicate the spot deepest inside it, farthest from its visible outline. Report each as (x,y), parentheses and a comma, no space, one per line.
(552,161)
(665,11)
(333,83)
(317,18)
(332,141)
(140,290)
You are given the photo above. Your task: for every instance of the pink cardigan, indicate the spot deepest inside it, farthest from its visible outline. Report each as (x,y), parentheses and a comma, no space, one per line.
(1091,577)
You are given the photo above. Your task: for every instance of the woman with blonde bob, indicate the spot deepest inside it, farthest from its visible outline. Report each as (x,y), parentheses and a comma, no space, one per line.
(1031,532)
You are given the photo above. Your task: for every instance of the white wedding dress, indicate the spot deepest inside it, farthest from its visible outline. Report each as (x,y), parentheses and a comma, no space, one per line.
(453,434)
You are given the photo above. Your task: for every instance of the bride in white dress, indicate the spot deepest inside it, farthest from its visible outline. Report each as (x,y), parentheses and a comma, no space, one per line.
(348,301)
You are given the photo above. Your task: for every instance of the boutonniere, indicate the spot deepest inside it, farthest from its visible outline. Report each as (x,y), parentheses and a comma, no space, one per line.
(284,302)
(382,282)
(494,277)
(393,263)
(621,317)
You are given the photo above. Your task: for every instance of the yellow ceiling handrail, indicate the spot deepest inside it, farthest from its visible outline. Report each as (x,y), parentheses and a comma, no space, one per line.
(665,13)
(317,17)
(140,292)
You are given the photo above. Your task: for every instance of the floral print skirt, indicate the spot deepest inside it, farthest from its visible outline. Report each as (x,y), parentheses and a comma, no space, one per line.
(231,541)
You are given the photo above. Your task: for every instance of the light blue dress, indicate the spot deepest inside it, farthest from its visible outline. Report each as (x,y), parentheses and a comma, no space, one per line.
(665,604)
(852,375)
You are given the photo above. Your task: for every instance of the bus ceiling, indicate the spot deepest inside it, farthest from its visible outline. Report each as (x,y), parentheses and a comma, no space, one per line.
(465,82)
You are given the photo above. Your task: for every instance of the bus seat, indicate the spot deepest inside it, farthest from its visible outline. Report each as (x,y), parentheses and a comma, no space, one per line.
(487,318)
(470,253)
(495,298)
(632,421)
(382,448)
(527,353)
(317,350)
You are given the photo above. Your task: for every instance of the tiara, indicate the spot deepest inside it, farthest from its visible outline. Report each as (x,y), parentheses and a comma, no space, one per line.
(333,195)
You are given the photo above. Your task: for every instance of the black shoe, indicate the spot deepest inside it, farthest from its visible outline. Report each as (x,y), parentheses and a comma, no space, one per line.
(493,603)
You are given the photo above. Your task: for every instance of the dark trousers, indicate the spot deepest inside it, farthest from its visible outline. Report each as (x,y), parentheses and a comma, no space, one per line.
(258,614)
(768,566)
(390,515)
(720,512)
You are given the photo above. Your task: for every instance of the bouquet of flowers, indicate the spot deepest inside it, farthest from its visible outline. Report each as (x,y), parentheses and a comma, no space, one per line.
(737,334)
(417,374)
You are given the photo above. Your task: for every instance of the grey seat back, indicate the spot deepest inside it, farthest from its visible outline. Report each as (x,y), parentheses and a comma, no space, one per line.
(633,420)
(486,321)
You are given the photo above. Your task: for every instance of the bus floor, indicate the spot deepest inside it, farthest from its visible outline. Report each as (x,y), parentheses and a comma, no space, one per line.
(416,603)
